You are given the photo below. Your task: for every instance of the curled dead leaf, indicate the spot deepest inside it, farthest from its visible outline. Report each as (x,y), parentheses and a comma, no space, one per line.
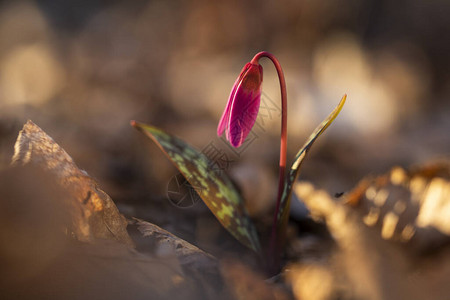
(188,254)
(410,206)
(93,214)
(384,229)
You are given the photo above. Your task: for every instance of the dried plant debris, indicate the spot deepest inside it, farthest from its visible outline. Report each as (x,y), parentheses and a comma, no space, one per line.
(199,266)
(412,207)
(246,284)
(116,271)
(32,222)
(93,214)
(167,243)
(311,281)
(39,261)
(381,229)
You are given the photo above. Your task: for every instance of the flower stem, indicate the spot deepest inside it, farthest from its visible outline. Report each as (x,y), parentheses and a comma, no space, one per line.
(274,246)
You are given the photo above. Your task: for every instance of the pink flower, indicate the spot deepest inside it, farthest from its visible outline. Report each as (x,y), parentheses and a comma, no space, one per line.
(242,108)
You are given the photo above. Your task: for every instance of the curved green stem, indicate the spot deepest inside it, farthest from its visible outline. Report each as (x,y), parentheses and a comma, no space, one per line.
(274,246)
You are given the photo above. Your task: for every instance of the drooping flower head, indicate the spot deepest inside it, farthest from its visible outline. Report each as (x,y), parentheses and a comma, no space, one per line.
(242,107)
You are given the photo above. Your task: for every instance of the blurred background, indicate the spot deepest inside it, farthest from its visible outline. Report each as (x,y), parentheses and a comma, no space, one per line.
(81,70)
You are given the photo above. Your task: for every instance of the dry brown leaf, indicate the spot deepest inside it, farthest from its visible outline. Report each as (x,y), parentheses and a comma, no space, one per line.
(198,265)
(409,206)
(32,222)
(188,254)
(94,214)
(374,258)
(39,261)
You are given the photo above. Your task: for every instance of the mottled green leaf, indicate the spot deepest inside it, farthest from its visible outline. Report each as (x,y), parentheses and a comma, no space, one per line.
(215,188)
(283,213)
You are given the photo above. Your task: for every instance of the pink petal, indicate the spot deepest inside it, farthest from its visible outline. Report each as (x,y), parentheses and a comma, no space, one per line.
(243,114)
(224,120)
(242,107)
(226,113)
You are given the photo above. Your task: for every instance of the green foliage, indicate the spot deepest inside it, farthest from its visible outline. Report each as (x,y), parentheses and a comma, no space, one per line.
(215,188)
(283,213)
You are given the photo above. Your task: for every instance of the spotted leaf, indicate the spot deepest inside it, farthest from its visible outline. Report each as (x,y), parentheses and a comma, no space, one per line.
(283,213)
(214,188)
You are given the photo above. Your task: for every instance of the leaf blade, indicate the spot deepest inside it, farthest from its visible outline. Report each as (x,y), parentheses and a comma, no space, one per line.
(215,189)
(283,213)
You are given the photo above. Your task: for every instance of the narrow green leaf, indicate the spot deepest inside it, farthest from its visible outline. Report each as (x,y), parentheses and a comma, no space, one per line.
(215,188)
(283,213)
